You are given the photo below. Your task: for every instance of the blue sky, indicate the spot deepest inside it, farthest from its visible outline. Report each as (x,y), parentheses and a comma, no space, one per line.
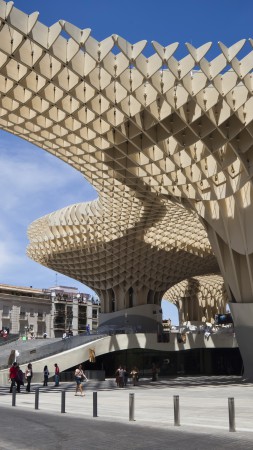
(34,183)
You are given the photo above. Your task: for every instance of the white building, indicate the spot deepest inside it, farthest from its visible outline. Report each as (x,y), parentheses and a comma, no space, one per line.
(72,310)
(32,312)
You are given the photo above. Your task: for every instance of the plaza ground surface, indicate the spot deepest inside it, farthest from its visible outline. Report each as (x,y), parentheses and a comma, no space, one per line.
(203,416)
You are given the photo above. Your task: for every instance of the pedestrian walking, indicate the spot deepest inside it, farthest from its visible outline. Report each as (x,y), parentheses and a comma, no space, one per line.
(125,376)
(117,377)
(135,376)
(13,375)
(20,378)
(28,377)
(46,375)
(79,377)
(56,375)
(154,372)
(120,377)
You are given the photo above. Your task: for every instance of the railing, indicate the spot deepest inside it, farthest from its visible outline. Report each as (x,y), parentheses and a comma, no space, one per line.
(39,352)
(214,329)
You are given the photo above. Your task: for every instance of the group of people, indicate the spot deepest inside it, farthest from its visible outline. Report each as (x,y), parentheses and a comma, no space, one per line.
(122,376)
(56,375)
(18,378)
(67,334)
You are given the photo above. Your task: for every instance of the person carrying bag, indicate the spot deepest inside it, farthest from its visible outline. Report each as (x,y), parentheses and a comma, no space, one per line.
(79,377)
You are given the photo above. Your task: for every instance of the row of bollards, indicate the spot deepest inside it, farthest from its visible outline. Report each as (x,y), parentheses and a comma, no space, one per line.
(231,412)
(231,407)
(63,400)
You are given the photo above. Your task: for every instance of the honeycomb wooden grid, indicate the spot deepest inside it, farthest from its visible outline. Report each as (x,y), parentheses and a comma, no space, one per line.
(160,139)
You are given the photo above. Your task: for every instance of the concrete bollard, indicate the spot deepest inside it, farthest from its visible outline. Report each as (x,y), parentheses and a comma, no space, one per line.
(63,398)
(14,391)
(176,411)
(37,390)
(131,407)
(231,413)
(95,404)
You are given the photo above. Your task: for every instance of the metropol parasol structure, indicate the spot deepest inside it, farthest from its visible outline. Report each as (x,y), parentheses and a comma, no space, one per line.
(166,143)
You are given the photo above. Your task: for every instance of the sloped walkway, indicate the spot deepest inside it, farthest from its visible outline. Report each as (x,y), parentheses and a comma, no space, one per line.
(35,349)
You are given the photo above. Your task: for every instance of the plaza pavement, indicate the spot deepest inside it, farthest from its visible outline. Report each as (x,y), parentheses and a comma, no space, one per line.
(203,416)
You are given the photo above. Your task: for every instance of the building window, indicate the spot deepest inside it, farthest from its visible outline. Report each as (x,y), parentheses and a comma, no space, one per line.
(82,318)
(22,315)
(40,315)
(94,314)
(41,329)
(60,316)
(6,311)
(69,317)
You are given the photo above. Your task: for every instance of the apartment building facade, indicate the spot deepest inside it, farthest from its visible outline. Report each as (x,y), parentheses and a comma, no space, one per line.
(33,312)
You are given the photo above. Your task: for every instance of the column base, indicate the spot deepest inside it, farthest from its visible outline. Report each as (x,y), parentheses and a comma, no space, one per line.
(243,322)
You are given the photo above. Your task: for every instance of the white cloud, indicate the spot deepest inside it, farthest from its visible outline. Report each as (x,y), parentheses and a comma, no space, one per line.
(32,183)
(8,258)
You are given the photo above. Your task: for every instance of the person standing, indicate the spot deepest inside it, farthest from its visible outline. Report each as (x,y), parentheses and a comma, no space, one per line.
(46,375)
(20,378)
(56,375)
(117,376)
(5,334)
(79,377)
(154,372)
(28,377)
(125,376)
(135,375)
(120,377)
(13,375)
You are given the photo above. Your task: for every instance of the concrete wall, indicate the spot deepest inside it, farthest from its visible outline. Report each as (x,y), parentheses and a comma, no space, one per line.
(144,318)
(75,356)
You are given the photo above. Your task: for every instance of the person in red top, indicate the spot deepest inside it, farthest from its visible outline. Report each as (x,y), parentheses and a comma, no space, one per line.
(56,375)
(13,372)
